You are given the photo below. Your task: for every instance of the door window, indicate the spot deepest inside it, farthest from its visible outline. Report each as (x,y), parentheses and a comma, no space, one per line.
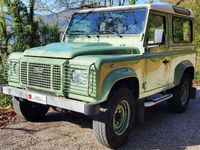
(156,22)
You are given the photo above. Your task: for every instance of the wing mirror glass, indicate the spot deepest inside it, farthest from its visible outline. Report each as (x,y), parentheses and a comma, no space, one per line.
(158,36)
(62,36)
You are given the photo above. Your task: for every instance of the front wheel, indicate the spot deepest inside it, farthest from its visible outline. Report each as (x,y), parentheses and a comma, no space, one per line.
(29,110)
(181,95)
(112,126)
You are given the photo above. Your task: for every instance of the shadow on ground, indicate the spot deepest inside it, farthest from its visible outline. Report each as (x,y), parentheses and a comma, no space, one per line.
(165,130)
(162,130)
(75,118)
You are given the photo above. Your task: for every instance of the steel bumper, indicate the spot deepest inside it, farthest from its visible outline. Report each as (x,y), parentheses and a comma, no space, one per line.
(61,102)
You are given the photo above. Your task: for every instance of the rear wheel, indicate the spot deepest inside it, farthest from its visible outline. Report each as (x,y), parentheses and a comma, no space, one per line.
(181,94)
(112,126)
(29,110)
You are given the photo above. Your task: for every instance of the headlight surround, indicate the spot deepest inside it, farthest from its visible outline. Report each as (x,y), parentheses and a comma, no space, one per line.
(14,68)
(77,76)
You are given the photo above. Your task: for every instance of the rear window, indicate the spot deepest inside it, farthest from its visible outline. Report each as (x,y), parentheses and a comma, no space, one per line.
(182,30)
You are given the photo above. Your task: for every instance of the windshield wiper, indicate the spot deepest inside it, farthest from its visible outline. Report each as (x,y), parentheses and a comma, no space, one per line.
(77,31)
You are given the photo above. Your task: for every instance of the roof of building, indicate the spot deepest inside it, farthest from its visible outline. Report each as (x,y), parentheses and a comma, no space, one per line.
(167,8)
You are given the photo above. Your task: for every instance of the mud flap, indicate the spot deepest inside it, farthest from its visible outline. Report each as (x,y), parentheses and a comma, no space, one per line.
(193,92)
(140,112)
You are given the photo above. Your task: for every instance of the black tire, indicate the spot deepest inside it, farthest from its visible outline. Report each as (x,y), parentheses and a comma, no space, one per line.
(103,124)
(29,110)
(181,95)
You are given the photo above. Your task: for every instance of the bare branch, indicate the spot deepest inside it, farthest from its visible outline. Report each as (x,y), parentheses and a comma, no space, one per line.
(179,2)
(6,18)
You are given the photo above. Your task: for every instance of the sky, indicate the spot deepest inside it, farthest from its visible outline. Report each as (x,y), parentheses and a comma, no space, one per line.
(50,2)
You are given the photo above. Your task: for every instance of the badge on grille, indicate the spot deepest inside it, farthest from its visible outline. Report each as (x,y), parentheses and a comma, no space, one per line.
(38,70)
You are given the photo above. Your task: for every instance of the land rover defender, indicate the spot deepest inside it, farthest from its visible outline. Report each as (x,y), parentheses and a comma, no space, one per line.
(110,65)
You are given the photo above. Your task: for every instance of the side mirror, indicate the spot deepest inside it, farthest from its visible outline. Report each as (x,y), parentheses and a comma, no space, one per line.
(158,36)
(62,35)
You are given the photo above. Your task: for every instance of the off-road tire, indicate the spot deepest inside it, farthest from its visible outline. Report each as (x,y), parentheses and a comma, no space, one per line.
(181,95)
(103,125)
(29,110)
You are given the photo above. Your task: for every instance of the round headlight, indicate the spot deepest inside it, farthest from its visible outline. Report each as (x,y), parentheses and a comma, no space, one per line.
(77,76)
(16,68)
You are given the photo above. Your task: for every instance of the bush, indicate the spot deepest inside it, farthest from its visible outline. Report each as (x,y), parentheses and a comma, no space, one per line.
(4,99)
(197,74)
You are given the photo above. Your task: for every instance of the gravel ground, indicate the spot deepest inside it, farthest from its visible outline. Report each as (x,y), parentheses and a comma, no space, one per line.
(163,130)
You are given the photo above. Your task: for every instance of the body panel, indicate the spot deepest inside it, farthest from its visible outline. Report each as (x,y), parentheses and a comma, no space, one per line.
(106,59)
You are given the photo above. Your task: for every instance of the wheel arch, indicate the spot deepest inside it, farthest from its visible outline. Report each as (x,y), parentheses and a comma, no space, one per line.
(181,68)
(131,83)
(121,77)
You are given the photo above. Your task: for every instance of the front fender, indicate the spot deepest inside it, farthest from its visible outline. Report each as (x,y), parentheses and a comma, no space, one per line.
(17,56)
(112,78)
(179,70)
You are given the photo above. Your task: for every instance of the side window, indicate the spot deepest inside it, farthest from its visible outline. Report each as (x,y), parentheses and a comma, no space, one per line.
(156,22)
(182,30)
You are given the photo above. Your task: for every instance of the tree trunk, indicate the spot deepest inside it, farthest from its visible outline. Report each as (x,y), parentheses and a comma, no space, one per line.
(4,42)
(110,3)
(123,2)
(132,2)
(120,2)
(105,2)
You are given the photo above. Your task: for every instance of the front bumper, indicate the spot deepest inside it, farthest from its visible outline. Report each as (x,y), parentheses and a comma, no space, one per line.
(68,104)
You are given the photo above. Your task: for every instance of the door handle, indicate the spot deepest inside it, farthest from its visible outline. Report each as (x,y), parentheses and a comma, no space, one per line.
(165,61)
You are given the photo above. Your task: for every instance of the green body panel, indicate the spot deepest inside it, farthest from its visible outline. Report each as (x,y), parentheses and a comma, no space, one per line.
(112,78)
(16,56)
(51,62)
(179,70)
(104,61)
(74,49)
(14,59)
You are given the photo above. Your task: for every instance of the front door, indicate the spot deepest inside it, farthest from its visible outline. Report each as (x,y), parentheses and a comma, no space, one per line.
(157,59)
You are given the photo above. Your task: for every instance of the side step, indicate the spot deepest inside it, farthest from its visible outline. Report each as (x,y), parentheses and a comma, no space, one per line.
(155,99)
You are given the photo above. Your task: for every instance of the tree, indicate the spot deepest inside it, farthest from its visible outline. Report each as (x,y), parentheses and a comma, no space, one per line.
(24,25)
(48,32)
(5,36)
(132,2)
(194,5)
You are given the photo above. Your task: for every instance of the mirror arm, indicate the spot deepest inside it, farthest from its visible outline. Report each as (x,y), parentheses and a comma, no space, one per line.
(150,46)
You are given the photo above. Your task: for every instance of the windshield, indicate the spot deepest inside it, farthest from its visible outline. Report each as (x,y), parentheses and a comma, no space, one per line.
(108,22)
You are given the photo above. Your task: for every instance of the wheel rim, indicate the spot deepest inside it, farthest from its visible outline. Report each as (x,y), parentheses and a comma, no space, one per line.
(121,117)
(184,92)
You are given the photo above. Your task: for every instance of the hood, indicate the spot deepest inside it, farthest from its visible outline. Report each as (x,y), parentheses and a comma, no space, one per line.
(73,49)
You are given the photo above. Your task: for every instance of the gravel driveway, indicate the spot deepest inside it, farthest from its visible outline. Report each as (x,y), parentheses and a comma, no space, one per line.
(163,130)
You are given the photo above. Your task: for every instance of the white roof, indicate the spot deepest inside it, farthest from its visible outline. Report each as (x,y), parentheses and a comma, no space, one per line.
(159,7)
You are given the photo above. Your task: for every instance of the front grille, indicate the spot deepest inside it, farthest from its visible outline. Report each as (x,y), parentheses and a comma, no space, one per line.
(56,77)
(24,72)
(41,75)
